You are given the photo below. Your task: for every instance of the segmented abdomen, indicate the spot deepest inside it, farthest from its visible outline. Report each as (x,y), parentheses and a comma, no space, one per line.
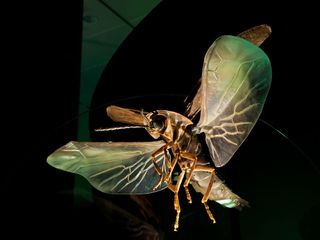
(219,193)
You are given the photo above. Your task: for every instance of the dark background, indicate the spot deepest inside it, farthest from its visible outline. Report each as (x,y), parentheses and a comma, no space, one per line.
(159,63)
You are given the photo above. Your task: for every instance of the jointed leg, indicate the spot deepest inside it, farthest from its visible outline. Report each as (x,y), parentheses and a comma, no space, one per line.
(193,158)
(176,199)
(154,161)
(169,173)
(207,193)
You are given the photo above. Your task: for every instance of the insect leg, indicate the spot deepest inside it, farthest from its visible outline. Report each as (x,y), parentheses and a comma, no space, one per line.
(153,158)
(176,199)
(206,195)
(166,158)
(193,158)
(169,173)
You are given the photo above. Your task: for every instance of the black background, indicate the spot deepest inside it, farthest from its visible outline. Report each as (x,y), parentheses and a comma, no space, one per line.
(162,58)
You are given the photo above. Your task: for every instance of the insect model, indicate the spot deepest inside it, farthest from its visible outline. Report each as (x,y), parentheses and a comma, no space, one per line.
(235,81)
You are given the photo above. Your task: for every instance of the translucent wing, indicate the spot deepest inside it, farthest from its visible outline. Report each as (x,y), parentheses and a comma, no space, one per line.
(256,35)
(112,167)
(236,78)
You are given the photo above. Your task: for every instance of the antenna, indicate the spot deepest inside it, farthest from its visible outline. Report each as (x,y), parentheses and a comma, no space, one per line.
(117,128)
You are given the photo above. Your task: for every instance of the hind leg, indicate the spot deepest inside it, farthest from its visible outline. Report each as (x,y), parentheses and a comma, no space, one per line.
(207,193)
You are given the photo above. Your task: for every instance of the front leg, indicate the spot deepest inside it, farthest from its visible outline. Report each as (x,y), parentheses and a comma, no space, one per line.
(163,150)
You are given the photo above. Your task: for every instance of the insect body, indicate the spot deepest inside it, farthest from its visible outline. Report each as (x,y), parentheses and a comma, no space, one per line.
(176,130)
(236,78)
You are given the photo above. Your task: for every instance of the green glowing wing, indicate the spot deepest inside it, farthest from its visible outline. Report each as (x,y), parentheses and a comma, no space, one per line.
(236,78)
(112,167)
(256,35)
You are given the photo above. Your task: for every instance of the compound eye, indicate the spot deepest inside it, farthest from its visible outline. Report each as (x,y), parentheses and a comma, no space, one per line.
(158,123)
